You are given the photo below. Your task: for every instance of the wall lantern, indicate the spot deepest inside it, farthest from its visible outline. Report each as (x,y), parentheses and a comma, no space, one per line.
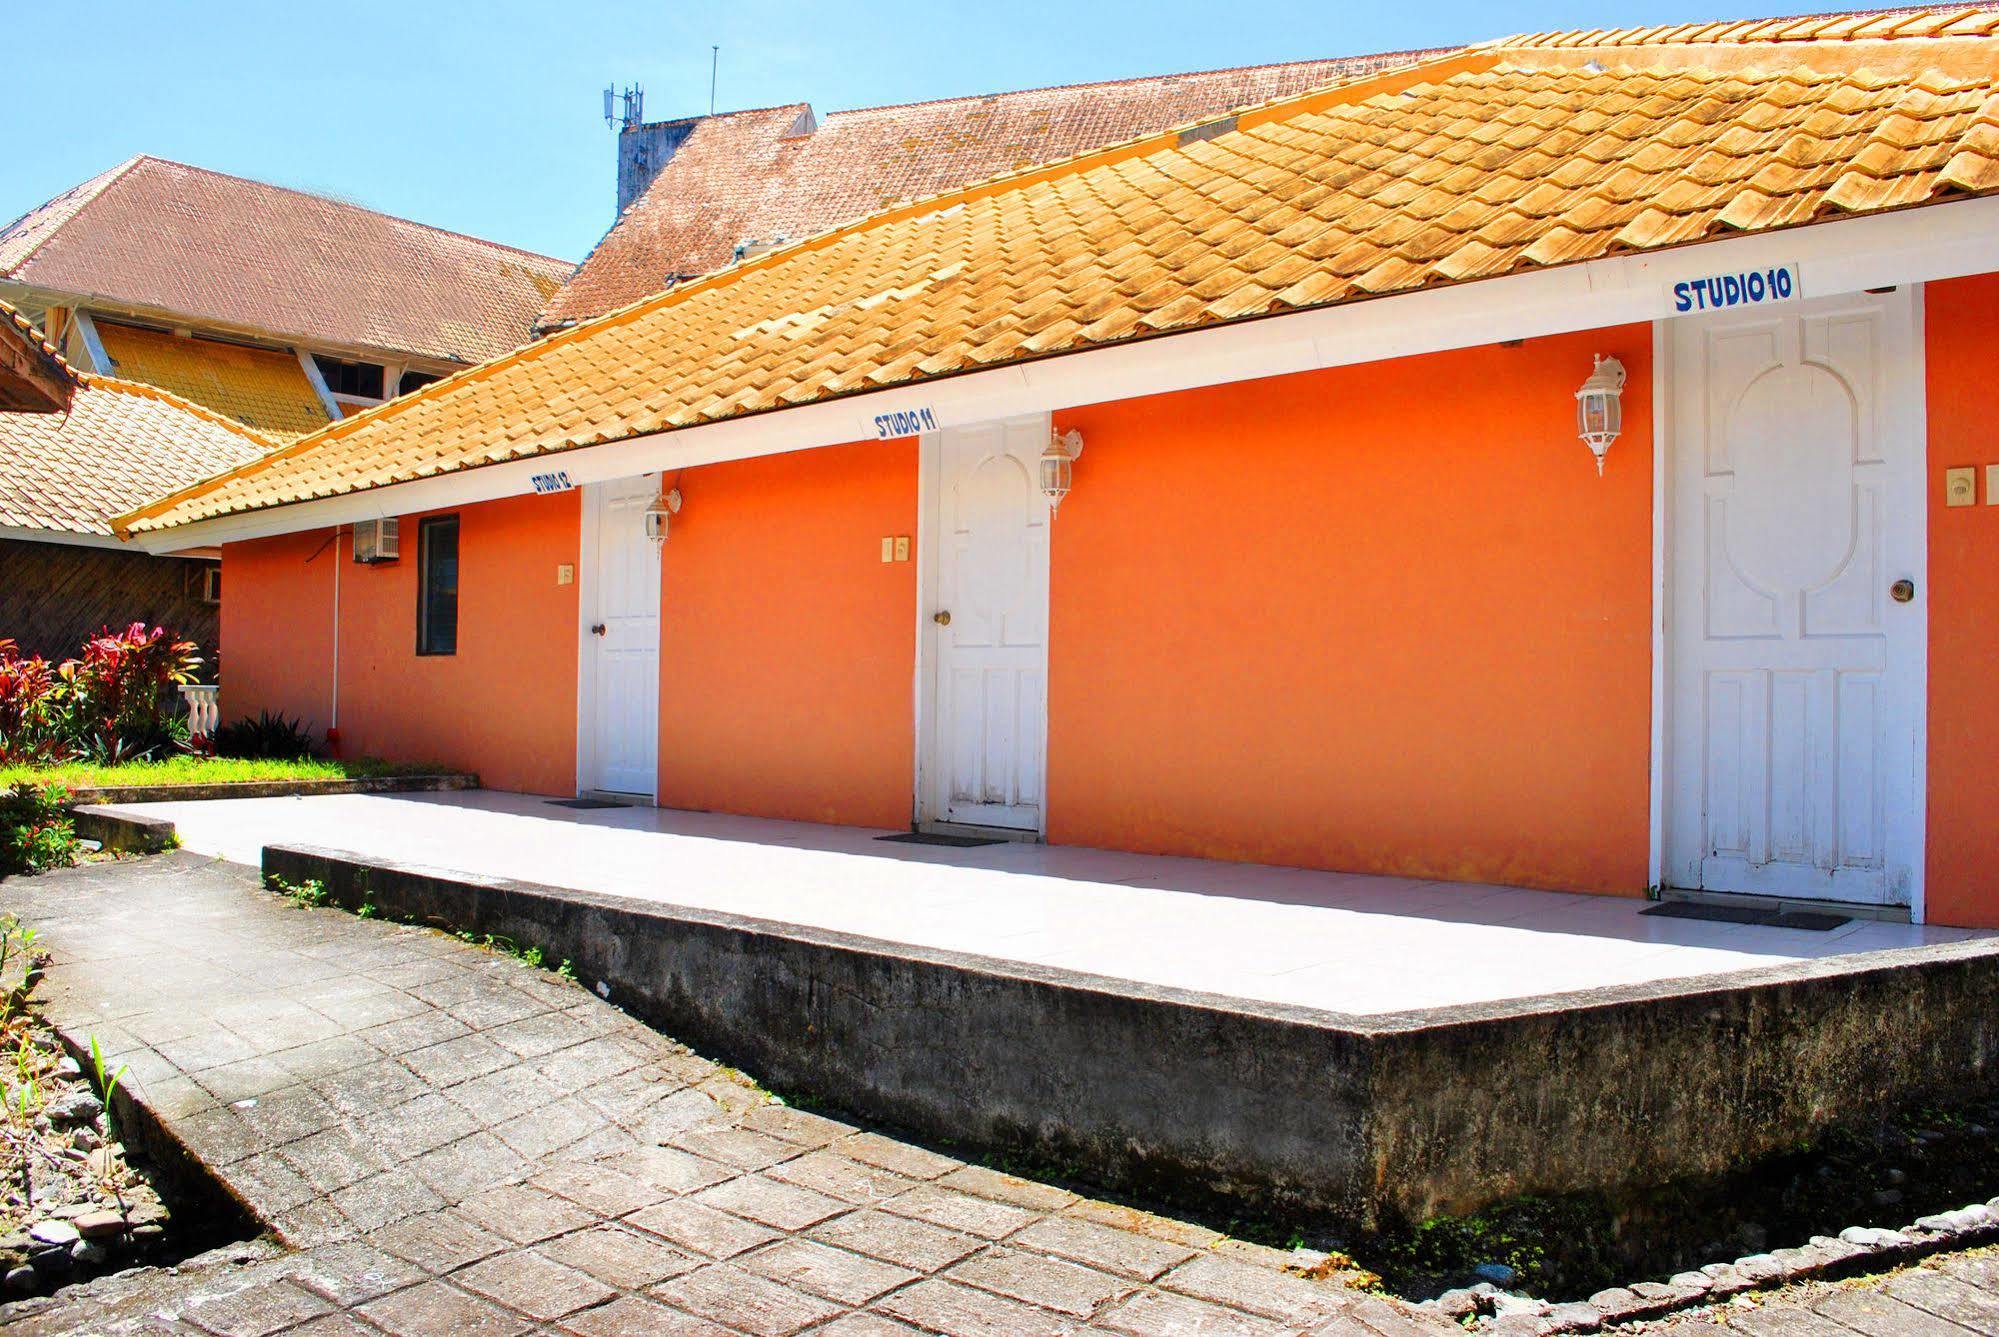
(665,505)
(1057,465)
(1600,408)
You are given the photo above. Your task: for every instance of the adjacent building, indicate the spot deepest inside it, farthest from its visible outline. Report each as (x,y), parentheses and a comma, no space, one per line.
(1564,461)
(282,309)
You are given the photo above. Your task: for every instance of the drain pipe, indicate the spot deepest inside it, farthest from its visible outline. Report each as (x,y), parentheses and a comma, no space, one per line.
(333,719)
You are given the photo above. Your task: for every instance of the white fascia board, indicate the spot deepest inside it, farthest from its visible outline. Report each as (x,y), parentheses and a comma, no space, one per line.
(67,538)
(1913,245)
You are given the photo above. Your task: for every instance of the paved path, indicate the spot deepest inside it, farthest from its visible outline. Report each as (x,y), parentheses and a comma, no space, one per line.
(1947,1296)
(443,1140)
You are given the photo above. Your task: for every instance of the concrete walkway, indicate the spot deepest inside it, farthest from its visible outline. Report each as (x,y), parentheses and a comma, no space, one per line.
(1332,941)
(443,1140)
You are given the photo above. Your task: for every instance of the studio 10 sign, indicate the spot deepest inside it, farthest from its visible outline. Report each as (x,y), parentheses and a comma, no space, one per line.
(1745,287)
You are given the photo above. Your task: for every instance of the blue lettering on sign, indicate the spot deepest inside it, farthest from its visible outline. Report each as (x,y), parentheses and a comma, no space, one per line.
(552,482)
(906,422)
(1750,287)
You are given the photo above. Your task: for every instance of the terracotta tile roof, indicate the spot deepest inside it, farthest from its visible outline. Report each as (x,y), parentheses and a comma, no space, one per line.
(1476,165)
(118,444)
(261,388)
(183,240)
(33,375)
(749,176)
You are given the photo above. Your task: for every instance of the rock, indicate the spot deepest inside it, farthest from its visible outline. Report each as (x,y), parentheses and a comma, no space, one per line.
(1691,1281)
(1508,1306)
(97,1225)
(1461,1304)
(61,1234)
(1573,1317)
(85,1138)
(73,1107)
(1755,1238)
(23,1280)
(1887,1197)
(1758,1267)
(1617,1302)
(90,1253)
(100,1161)
(1898,1177)
(148,1235)
(1499,1274)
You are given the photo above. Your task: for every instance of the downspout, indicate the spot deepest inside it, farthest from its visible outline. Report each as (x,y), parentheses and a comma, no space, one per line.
(333,720)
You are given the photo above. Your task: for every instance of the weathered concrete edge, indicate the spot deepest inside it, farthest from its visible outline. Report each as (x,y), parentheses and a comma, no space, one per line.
(127,832)
(367,784)
(1169,1096)
(1237,1101)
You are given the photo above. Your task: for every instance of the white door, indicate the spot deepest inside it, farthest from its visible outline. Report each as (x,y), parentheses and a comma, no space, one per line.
(1797,503)
(989,627)
(620,672)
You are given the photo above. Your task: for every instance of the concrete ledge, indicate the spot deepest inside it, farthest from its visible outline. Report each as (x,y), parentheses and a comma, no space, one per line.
(374,784)
(128,832)
(1232,1103)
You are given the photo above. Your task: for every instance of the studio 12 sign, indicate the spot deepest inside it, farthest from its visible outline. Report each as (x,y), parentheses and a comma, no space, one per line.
(1747,287)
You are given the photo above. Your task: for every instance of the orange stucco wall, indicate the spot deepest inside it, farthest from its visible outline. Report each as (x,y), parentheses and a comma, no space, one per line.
(1383,618)
(1962,876)
(504,705)
(787,644)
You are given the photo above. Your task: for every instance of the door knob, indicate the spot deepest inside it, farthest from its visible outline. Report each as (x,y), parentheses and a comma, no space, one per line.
(1902,590)
(596,629)
(942,618)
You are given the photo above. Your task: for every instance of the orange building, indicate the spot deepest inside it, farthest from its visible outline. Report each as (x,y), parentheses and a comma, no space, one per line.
(1560,462)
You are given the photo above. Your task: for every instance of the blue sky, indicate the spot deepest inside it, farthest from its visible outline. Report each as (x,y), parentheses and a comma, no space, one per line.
(487,117)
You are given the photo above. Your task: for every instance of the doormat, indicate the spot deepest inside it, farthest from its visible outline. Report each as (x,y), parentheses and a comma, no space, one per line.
(585,803)
(1815,921)
(934,838)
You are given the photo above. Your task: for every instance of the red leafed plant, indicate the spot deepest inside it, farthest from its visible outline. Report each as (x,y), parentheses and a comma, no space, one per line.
(118,701)
(29,710)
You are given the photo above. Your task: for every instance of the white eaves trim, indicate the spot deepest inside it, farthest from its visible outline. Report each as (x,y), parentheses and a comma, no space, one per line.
(1914,245)
(66,537)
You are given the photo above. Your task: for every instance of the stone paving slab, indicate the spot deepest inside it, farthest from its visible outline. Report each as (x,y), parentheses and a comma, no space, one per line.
(442,1140)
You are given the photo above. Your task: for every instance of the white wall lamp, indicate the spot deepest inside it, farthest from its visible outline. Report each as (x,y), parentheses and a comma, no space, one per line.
(1600,408)
(665,505)
(1058,465)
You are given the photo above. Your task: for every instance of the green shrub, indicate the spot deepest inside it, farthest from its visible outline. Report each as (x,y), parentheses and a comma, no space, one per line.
(267,738)
(35,831)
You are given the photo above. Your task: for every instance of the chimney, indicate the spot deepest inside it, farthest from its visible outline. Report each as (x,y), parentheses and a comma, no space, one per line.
(644,151)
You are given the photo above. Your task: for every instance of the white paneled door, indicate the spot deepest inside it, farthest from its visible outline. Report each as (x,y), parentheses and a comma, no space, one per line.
(1796,630)
(620,674)
(989,627)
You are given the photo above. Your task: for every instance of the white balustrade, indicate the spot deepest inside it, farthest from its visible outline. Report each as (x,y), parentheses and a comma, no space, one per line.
(204,709)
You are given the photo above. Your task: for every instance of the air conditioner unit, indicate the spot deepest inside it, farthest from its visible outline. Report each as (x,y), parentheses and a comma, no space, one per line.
(376,541)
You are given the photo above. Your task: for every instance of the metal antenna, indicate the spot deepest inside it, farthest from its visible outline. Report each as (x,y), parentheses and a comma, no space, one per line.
(714,68)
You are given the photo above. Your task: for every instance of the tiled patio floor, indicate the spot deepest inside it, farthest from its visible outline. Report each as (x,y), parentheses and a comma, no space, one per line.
(1344,943)
(449,1142)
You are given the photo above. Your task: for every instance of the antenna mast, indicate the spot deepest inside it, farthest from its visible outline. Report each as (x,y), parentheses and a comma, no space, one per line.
(714,68)
(624,110)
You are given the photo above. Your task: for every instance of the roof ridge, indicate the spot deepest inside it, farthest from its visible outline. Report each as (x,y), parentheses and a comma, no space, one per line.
(1742,31)
(343,204)
(1412,53)
(91,380)
(104,180)
(681,292)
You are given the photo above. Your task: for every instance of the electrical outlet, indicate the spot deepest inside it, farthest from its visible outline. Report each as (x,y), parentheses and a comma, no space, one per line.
(565,574)
(1960,487)
(1992,485)
(888,550)
(902,548)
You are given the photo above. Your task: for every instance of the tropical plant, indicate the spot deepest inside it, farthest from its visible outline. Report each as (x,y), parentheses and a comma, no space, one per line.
(116,701)
(35,830)
(267,738)
(29,714)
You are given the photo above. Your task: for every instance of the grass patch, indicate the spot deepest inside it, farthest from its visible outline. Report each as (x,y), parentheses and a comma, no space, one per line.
(190,770)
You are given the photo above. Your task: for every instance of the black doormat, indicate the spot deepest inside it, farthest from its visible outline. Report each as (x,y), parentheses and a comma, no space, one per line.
(1816,921)
(934,838)
(585,803)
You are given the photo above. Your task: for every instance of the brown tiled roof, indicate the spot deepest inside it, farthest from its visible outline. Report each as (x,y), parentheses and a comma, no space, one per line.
(745,176)
(1476,165)
(119,444)
(186,241)
(33,375)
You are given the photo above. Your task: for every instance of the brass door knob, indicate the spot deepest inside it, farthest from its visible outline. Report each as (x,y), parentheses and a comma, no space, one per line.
(596,629)
(1902,590)
(942,618)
